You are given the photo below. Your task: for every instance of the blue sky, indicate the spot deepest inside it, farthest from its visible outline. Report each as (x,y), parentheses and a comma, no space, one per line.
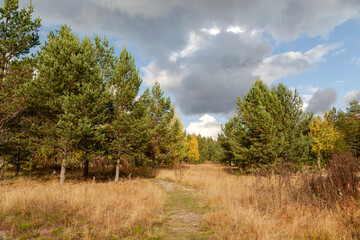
(207,53)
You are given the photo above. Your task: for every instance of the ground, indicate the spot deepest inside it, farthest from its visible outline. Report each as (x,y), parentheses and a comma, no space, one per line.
(184,213)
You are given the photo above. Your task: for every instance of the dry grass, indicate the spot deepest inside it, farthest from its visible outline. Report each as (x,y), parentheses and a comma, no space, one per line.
(80,211)
(249,207)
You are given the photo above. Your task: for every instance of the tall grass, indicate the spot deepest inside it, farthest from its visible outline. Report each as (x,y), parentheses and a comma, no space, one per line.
(80,211)
(255,207)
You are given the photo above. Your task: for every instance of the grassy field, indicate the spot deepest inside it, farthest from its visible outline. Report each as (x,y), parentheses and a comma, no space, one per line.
(33,210)
(249,207)
(205,201)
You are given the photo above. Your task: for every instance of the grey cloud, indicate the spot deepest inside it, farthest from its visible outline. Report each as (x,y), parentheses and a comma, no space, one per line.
(350,96)
(285,20)
(220,71)
(218,74)
(322,100)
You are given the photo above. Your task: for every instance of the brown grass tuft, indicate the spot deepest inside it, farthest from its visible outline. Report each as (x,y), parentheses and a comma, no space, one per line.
(256,207)
(80,211)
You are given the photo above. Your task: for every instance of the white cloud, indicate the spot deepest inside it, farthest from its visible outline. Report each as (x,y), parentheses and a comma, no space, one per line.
(207,126)
(235,29)
(355,61)
(350,96)
(168,79)
(339,51)
(211,31)
(291,63)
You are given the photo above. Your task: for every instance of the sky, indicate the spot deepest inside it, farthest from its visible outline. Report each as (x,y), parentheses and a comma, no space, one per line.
(207,53)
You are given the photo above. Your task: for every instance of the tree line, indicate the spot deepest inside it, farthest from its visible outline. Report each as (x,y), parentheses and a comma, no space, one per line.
(270,127)
(75,100)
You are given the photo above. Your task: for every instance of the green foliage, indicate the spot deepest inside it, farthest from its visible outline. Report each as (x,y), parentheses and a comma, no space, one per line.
(269,126)
(18,33)
(124,86)
(210,150)
(161,114)
(258,138)
(81,104)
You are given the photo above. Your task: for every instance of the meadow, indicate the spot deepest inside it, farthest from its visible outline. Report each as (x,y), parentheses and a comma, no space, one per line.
(232,207)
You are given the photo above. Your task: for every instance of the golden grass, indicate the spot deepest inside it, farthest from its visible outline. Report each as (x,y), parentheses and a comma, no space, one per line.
(80,211)
(249,207)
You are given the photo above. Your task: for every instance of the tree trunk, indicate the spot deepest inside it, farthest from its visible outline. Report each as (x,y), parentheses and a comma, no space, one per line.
(17,162)
(319,162)
(117,172)
(63,167)
(86,169)
(154,162)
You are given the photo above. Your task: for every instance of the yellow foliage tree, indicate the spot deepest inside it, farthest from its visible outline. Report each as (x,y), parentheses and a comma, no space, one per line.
(194,149)
(325,138)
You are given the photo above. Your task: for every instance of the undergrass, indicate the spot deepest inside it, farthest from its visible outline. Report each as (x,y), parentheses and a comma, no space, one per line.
(33,210)
(249,207)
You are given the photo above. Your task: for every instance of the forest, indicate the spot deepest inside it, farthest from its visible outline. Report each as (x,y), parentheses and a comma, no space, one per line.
(71,109)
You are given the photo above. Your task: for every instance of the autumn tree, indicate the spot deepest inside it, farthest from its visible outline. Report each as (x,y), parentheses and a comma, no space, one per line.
(324,137)
(194,149)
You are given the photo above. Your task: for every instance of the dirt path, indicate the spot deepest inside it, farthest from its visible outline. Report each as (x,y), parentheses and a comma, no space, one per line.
(183,213)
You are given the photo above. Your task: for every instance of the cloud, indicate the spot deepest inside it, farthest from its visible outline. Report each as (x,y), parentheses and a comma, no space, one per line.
(284,20)
(291,63)
(207,126)
(207,53)
(321,101)
(355,61)
(210,78)
(350,96)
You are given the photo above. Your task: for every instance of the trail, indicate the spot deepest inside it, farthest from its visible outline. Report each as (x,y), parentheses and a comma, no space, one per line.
(183,213)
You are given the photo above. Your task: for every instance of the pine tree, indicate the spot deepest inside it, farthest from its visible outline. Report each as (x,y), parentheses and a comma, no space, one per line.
(18,34)
(224,139)
(294,125)
(352,136)
(257,138)
(73,97)
(180,145)
(161,114)
(125,86)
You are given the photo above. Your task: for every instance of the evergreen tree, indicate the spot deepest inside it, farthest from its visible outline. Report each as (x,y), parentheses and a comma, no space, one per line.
(258,138)
(125,87)
(294,126)
(161,114)
(180,145)
(353,128)
(224,139)
(18,34)
(73,96)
